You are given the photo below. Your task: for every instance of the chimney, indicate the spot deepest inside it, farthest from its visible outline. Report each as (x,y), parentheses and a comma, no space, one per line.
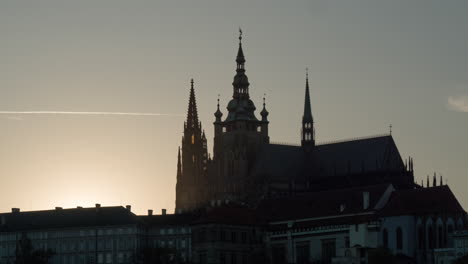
(79,207)
(365,200)
(163,211)
(98,205)
(58,208)
(150,212)
(15,210)
(129,208)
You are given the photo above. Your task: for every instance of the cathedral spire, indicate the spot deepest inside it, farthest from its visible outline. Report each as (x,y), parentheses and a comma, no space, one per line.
(192,114)
(308,131)
(241,82)
(179,166)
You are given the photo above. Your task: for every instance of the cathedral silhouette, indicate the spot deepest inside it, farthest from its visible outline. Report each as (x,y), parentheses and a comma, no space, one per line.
(246,167)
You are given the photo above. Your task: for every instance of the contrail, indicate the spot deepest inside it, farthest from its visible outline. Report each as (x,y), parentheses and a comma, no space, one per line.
(82,113)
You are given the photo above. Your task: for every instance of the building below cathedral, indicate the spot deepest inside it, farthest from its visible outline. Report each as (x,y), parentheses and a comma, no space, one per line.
(257,202)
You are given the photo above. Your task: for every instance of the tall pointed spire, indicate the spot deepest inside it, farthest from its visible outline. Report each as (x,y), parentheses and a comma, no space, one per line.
(192,114)
(308,131)
(179,166)
(241,82)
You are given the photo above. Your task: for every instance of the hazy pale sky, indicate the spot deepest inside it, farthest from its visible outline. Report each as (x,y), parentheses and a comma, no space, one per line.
(371,63)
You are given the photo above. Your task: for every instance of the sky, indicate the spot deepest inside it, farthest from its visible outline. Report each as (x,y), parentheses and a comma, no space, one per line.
(74,76)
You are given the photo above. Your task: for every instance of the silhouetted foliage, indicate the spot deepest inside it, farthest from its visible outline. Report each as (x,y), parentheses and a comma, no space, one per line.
(25,254)
(381,256)
(156,256)
(461,260)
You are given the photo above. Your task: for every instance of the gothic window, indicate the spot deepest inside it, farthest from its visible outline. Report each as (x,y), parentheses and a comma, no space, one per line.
(430,236)
(193,139)
(420,237)
(399,238)
(440,235)
(385,238)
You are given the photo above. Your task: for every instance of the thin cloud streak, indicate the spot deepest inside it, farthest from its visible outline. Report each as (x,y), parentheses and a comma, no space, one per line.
(83,113)
(459,104)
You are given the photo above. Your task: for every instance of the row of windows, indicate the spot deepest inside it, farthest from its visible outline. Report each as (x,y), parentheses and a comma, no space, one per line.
(170,243)
(75,246)
(70,233)
(222,235)
(172,231)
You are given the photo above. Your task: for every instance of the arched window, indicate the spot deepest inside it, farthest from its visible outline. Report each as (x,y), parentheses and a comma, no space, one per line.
(399,238)
(449,236)
(421,238)
(385,238)
(440,237)
(430,236)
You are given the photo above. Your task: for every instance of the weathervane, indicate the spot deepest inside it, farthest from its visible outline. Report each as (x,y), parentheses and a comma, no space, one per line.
(240,34)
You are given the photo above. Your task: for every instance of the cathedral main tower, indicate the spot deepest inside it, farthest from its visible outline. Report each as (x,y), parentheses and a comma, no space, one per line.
(238,138)
(237,141)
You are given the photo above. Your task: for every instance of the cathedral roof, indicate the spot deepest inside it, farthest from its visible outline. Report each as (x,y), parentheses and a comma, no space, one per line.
(340,158)
(339,203)
(439,199)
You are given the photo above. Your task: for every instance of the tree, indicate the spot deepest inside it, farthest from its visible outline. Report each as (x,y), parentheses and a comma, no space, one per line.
(381,256)
(25,254)
(156,256)
(461,260)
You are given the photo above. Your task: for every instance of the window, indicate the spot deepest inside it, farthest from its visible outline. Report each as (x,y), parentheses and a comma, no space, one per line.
(420,237)
(302,253)
(244,237)
(399,238)
(222,258)
(233,237)
(233,258)
(440,235)
(328,250)
(385,238)
(108,258)
(430,236)
(347,242)
(193,139)
(202,257)
(279,254)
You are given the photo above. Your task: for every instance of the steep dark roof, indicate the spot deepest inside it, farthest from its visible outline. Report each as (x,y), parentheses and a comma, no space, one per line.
(322,204)
(438,199)
(63,218)
(281,162)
